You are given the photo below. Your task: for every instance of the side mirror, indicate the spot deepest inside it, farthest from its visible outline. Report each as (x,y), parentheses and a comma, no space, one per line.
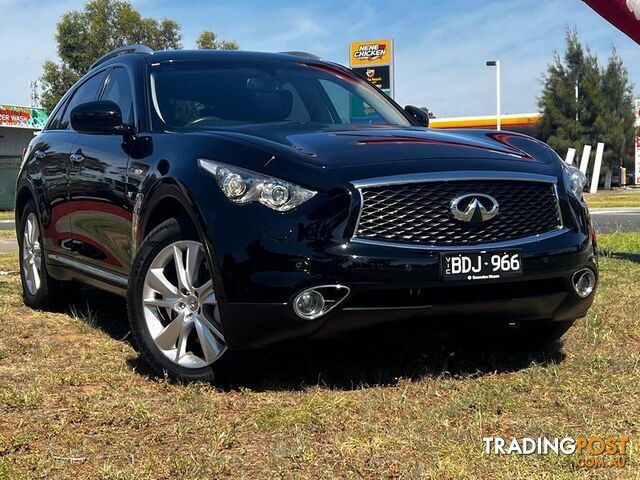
(419,115)
(102,117)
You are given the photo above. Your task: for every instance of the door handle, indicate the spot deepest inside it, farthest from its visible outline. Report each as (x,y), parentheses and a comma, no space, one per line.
(76,157)
(39,153)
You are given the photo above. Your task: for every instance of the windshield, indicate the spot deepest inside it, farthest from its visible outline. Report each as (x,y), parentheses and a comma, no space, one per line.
(201,94)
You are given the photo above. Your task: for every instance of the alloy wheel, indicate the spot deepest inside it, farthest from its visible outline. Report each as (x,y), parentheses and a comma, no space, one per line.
(32,254)
(180,306)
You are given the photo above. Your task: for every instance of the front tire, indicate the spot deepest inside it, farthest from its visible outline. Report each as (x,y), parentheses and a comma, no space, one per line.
(172,305)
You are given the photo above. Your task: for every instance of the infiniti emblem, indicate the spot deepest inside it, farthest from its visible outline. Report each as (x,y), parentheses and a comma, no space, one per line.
(474,208)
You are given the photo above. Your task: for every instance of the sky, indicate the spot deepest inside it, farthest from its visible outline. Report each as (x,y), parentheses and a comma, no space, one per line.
(440,45)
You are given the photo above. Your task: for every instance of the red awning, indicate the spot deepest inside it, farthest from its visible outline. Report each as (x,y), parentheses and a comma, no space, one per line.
(624,14)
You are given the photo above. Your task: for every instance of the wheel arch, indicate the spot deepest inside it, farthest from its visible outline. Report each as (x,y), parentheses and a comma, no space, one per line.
(24,193)
(166,199)
(169,198)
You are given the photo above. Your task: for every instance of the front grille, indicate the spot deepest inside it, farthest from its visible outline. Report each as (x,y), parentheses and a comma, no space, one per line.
(418,213)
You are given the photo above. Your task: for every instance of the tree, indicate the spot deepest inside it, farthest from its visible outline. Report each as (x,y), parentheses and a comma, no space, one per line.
(102,25)
(207,40)
(55,81)
(618,119)
(603,111)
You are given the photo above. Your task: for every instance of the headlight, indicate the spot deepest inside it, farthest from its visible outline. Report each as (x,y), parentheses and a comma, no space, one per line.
(244,186)
(574,180)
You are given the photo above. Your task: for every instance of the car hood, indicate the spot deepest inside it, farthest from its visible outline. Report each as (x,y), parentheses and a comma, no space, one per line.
(359,146)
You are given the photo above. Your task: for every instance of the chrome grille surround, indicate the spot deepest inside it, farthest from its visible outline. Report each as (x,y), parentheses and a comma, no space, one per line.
(415,231)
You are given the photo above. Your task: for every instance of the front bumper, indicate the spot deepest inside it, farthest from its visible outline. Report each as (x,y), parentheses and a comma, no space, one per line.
(392,284)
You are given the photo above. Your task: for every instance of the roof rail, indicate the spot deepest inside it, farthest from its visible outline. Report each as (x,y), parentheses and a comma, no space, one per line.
(303,54)
(121,51)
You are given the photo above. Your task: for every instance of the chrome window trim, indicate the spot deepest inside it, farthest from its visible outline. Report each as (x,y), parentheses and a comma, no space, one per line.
(90,269)
(480,246)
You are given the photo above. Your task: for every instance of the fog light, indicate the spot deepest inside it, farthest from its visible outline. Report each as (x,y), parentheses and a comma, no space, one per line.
(309,304)
(315,302)
(584,282)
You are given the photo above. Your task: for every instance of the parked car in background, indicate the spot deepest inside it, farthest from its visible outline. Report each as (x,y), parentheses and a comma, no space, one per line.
(241,199)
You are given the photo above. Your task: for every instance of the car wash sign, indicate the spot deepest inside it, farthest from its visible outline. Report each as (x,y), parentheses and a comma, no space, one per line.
(22,117)
(373,60)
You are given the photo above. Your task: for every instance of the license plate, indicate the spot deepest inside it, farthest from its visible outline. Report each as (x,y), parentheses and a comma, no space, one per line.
(483,265)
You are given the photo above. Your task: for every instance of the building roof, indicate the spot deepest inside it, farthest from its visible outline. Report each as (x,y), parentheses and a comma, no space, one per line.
(486,121)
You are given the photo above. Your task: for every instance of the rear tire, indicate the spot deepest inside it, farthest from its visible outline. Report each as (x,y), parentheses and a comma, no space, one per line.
(172,305)
(39,289)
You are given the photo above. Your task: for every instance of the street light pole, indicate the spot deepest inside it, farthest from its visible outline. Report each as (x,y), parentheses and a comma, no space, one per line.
(496,63)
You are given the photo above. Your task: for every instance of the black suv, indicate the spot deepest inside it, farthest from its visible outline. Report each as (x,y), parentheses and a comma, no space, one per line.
(240,199)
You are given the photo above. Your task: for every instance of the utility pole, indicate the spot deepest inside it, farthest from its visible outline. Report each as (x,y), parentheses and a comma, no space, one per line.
(33,86)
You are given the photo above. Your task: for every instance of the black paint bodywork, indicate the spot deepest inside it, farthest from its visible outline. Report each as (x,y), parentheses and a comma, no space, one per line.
(96,213)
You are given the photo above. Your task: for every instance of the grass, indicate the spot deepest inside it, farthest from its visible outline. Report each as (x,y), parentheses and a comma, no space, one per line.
(7,215)
(613,199)
(75,401)
(617,244)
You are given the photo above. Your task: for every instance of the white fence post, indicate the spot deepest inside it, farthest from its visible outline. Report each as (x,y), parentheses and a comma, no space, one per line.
(571,154)
(584,162)
(596,167)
